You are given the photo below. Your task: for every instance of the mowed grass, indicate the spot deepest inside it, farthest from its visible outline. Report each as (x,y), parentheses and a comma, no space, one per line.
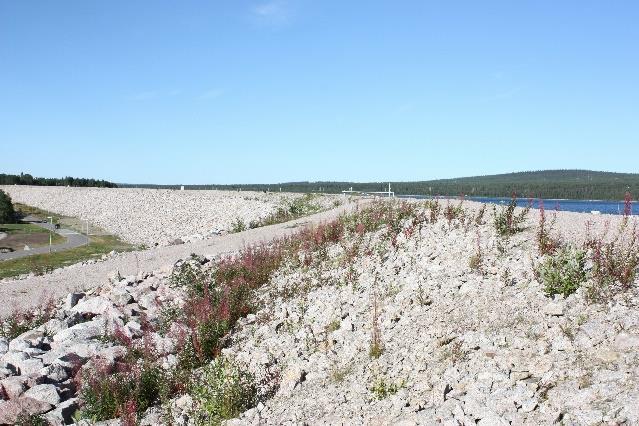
(42,263)
(21,234)
(21,228)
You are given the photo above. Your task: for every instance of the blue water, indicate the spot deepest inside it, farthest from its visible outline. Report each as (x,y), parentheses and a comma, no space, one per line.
(579,206)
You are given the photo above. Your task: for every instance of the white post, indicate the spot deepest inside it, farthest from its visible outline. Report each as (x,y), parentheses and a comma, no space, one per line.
(50,231)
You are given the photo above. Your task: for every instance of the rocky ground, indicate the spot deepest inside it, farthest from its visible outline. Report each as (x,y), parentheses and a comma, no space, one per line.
(385,324)
(150,216)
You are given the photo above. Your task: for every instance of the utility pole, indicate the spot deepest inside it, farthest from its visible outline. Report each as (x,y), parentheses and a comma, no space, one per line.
(50,231)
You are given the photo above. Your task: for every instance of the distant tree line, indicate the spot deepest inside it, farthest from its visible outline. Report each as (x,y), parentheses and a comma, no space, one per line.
(563,184)
(27,179)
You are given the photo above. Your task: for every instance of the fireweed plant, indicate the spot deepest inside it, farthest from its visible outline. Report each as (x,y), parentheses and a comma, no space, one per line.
(217,294)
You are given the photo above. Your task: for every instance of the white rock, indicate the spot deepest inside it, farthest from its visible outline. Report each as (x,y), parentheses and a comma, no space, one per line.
(554,308)
(93,305)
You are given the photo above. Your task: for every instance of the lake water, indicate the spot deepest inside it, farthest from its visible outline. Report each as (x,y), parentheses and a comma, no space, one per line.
(580,206)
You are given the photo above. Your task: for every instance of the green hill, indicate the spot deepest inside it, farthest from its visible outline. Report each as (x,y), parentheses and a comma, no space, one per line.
(573,184)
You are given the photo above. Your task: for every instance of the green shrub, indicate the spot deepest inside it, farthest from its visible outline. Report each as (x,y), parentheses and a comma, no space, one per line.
(7,213)
(238,226)
(615,262)
(110,392)
(22,321)
(381,389)
(289,210)
(31,420)
(506,222)
(223,390)
(190,275)
(563,272)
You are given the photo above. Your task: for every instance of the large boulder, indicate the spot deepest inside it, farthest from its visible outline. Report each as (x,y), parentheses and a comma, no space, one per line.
(45,393)
(93,306)
(83,331)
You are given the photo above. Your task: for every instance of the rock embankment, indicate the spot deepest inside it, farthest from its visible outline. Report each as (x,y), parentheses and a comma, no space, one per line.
(149,216)
(39,368)
(365,324)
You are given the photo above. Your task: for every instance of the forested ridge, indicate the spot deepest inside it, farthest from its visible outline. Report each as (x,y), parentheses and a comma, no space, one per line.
(568,184)
(27,179)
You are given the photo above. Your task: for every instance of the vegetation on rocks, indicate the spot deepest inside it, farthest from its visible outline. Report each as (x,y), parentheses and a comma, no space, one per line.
(375,315)
(289,210)
(506,222)
(22,321)
(564,272)
(223,390)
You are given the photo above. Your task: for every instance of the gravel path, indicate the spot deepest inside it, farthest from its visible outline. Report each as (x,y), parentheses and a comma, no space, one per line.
(26,293)
(73,239)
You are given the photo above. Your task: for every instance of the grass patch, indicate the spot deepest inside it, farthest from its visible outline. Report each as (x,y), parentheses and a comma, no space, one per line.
(289,210)
(21,234)
(21,228)
(42,263)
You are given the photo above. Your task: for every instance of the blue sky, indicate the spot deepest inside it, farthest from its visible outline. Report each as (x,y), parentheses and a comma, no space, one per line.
(288,90)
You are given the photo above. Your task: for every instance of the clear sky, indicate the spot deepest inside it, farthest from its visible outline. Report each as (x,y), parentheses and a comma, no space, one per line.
(289,90)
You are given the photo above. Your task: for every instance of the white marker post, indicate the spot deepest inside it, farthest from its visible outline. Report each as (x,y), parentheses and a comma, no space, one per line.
(50,232)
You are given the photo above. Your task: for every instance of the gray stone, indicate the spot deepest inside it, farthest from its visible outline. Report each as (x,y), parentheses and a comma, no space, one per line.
(33,352)
(83,331)
(554,309)
(133,329)
(149,302)
(63,413)
(131,310)
(292,377)
(54,326)
(4,346)
(28,339)
(29,366)
(55,373)
(11,410)
(493,420)
(5,372)
(14,386)
(94,305)
(152,417)
(120,297)
(528,405)
(72,300)
(625,341)
(45,393)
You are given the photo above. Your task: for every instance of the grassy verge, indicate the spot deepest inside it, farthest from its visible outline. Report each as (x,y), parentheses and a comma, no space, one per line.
(21,228)
(42,263)
(20,234)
